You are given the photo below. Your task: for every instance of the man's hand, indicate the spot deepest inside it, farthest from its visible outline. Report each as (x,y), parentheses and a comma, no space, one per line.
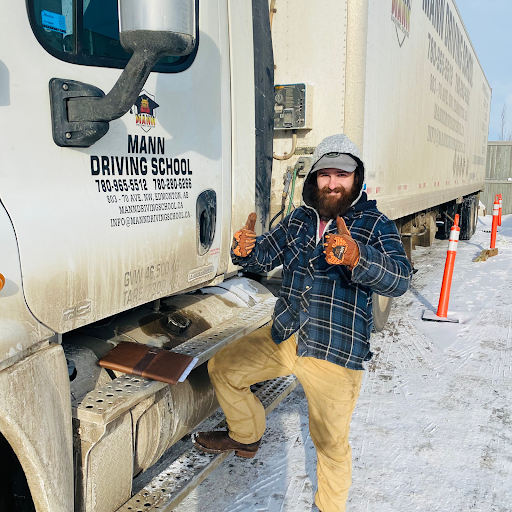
(341,249)
(245,238)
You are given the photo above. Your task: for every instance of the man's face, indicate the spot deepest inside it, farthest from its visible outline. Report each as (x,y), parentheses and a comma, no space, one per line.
(334,179)
(335,192)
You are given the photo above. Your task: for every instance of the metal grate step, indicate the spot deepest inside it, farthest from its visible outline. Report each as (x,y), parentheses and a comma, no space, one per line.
(205,345)
(182,476)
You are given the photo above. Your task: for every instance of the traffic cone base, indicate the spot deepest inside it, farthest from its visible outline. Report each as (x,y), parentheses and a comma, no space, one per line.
(486,254)
(430,316)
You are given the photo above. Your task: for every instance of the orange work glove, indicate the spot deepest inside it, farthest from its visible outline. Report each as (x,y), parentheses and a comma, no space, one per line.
(245,238)
(341,249)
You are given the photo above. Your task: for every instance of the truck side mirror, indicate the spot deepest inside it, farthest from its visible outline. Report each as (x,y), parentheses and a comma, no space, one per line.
(166,26)
(150,29)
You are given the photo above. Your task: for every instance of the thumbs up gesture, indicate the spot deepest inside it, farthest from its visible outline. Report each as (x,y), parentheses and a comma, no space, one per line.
(245,238)
(341,249)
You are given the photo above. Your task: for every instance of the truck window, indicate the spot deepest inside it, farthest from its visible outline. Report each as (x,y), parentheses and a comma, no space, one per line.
(86,32)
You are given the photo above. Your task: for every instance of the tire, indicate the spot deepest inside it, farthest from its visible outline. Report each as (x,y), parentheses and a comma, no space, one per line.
(381,309)
(14,491)
(445,224)
(467,218)
(475,214)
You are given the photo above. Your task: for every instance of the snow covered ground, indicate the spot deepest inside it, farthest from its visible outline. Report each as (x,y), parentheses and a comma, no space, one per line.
(432,430)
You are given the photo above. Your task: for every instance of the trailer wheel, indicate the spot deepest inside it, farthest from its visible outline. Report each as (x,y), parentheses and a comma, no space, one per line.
(467,218)
(381,309)
(475,214)
(445,224)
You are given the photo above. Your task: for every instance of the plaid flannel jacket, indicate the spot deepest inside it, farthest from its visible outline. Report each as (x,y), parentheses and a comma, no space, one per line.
(328,306)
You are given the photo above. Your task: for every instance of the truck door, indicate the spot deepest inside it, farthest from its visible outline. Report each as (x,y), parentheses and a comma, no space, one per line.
(139,214)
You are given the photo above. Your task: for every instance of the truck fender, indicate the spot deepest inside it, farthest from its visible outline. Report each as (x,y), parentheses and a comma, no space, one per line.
(35,419)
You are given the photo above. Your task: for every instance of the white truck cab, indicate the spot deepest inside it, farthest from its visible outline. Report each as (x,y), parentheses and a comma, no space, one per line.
(135,156)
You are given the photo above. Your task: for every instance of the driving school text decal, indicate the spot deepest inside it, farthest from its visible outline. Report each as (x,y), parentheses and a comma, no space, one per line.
(145,186)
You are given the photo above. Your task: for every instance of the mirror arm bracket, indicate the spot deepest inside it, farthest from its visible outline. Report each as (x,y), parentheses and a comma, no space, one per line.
(122,96)
(81,112)
(73,134)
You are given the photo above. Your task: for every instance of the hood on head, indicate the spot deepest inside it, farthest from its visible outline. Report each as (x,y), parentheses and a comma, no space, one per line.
(334,144)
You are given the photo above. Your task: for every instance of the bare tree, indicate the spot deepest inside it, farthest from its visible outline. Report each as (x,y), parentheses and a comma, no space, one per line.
(503,122)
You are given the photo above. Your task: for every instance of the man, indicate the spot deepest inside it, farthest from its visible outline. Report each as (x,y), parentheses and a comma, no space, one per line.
(336,250)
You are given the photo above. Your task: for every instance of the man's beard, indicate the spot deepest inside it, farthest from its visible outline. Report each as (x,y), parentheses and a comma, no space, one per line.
(330,206)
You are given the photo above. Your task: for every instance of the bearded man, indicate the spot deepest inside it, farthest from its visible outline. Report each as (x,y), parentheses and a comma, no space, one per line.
(336,250)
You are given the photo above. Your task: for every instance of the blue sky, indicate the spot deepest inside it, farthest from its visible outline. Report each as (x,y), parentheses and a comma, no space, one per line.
(489,24)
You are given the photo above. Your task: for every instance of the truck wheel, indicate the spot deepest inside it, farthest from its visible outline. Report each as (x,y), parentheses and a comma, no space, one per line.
(381,309)
(14,491)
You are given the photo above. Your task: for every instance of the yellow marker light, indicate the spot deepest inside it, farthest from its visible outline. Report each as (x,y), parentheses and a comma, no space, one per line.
(2,281)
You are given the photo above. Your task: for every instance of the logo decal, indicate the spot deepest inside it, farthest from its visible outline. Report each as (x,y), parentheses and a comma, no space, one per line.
(401,17)
(339,251)
(144,111)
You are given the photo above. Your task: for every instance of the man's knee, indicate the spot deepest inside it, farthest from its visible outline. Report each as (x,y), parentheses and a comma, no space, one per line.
(338,452)
(228,359)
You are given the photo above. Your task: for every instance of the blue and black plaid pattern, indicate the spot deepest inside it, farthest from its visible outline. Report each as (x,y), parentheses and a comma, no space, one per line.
(328,306)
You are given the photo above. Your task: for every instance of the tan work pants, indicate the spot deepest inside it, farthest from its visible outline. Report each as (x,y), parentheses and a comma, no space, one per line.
(331,390)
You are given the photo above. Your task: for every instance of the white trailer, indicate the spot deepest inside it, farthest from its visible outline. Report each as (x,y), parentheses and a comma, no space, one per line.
(117,208)
(403,81)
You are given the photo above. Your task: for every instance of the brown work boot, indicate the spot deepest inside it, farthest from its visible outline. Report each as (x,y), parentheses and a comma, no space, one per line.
(218,441)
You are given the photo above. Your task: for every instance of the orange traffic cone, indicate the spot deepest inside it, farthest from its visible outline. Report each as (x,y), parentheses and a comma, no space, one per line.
(495,221)
(493,251)
(444,299)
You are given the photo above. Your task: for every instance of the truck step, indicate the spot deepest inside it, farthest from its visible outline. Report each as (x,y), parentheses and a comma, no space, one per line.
(167,489)
(106,403)
(204,346)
